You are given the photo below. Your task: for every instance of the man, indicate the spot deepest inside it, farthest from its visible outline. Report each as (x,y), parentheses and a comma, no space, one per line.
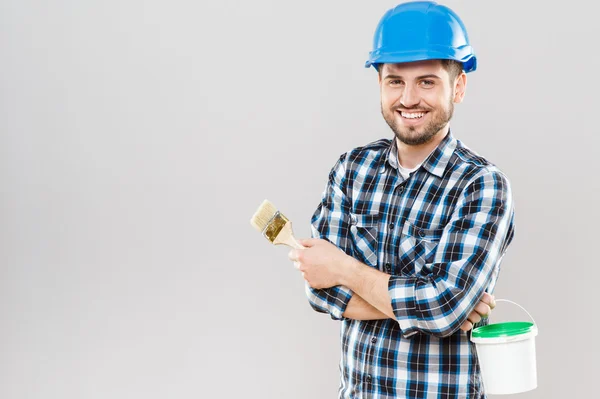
(410,233)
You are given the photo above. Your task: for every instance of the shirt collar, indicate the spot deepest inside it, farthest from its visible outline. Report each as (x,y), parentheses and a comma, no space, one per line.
(436,162)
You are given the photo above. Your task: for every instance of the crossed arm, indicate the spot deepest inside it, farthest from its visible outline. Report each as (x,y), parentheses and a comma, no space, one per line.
(448,294)
(359,309)
(326,266)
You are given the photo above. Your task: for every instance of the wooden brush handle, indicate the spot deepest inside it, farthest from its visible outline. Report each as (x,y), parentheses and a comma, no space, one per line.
(286,237)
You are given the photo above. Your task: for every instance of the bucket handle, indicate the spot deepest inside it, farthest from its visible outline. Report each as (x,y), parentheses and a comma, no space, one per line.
(514,303)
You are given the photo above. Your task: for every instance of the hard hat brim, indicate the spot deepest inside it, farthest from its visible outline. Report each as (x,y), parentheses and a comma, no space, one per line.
(464,55)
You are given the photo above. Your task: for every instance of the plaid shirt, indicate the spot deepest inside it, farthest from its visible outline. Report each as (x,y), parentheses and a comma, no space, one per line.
(441,235)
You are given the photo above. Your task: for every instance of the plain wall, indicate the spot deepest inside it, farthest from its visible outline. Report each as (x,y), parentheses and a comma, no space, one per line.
(137,138)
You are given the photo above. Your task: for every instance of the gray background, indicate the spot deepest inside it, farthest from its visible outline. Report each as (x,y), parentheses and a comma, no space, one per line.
(139,137)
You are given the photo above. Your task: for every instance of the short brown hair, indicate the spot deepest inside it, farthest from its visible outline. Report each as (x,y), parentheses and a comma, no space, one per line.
(454,68)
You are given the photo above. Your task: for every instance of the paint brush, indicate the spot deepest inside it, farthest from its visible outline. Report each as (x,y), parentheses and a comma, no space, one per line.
(274,225)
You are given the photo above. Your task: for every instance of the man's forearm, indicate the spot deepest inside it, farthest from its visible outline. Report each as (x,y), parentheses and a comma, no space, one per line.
(371,285)
(359,309)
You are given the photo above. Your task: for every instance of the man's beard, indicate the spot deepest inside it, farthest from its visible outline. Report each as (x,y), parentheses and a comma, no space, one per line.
(406,134)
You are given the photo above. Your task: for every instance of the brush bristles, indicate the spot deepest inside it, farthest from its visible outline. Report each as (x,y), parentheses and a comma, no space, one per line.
(263,215)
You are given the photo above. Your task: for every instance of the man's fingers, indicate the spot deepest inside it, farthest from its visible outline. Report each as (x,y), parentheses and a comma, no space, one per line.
(466,326)
(474,318)
(294,255)
(483,309)
(489,300)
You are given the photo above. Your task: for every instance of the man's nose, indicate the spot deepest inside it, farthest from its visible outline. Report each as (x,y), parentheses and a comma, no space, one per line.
(410,97)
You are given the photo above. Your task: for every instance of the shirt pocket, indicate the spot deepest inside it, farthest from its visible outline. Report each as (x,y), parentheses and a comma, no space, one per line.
(417,248)
(364,230)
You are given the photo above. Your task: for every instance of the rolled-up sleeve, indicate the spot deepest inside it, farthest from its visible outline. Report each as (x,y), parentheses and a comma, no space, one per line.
(440,297)
(330,222)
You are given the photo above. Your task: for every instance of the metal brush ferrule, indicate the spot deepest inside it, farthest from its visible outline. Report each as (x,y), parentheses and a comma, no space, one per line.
(274,226)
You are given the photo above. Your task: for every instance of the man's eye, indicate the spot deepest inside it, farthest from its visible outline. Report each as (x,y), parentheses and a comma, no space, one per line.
(395,82)
(427,83)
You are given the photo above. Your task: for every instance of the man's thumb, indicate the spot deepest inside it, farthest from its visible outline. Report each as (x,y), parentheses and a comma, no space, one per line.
(307,242)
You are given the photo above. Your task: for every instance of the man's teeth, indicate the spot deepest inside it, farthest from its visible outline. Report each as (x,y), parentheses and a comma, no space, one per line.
(413,115)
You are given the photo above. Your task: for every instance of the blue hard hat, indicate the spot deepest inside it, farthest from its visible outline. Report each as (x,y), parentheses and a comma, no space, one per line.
(421,30)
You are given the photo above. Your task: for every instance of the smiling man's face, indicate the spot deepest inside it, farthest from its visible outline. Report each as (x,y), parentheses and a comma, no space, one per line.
(417,99)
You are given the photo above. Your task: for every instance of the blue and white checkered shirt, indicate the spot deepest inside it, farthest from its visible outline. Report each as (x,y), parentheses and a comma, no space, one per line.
(441,235)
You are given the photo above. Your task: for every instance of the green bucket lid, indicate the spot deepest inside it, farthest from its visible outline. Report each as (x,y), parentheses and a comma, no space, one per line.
(508,329)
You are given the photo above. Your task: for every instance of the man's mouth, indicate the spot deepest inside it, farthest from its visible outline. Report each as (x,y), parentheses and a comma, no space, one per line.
(412,115)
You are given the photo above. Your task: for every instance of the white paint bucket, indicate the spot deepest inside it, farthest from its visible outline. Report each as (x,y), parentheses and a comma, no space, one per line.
(506,353)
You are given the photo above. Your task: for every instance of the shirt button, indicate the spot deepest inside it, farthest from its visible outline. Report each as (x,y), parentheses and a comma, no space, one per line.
(368,378)
(400,189)
(391,226)
(373,340)
(421,233)
(388,267)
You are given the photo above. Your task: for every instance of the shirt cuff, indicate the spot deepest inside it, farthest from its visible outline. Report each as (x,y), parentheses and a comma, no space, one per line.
(402,293)
(341,303)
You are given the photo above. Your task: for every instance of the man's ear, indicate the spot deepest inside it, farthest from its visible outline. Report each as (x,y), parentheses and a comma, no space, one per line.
(460,87)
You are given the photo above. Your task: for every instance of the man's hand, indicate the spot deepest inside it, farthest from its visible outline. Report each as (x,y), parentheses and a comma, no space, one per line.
(482,310)
(322,264)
